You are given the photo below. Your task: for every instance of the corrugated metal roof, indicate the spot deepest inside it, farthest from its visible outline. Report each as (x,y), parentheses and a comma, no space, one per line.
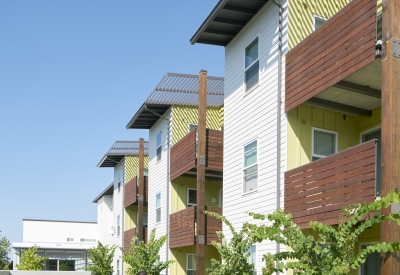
(176,89)
(120,149)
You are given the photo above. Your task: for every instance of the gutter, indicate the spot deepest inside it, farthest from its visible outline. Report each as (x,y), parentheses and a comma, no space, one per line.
(168,179)
(279,117)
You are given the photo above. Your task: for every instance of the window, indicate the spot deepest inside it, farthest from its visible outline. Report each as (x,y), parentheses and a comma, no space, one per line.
(250,167)
(83,240)
(191,197)
(372,264)
(252,257)
(192,127)
(318,21)
(118,225)
(324,143)
(191,264)
(251,65)
(117,267)
(144,219)
(158,207)
(70,239)
(158,146)
(146,172)
(119,179)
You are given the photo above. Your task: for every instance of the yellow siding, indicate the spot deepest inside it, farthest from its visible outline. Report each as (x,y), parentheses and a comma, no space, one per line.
(179,256)
(304,117)
(179,192)
(132,166)
(301,16)
(131,216)
(221,116)
(183,115)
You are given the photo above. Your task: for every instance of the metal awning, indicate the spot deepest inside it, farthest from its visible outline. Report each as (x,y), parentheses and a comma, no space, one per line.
(176,89)
(226,20)
(121,149)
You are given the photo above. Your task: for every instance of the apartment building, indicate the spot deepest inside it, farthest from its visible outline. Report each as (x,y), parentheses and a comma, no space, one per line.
(171,115)
(117,204)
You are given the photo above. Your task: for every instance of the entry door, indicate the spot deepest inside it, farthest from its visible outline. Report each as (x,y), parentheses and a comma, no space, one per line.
(376,135)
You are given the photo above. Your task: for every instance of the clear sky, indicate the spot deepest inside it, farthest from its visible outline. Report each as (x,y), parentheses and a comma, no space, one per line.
(72,75)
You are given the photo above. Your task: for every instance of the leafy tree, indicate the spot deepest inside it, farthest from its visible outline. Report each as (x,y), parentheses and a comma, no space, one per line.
(102,257)
(144,256)
(29,260)
(333,252)
(4,250)
(234,254)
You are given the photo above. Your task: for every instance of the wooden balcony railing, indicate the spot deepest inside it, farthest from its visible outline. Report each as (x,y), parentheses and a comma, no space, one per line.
(340,47)
(183,154)
(130,234)
(131,191)
(183,227)
(319,190)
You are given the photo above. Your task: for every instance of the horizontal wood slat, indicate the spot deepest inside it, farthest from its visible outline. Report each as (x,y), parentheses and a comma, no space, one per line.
(130,234)
(213,225)
(340,47)
(131,191)
(183,153)
(319,190)
(182,228)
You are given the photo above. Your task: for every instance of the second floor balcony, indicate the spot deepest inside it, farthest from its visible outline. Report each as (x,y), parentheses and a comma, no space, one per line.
(132,233)
(131,191)
(184,155)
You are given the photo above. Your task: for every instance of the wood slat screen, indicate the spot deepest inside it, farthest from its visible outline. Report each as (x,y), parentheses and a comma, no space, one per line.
(213,224)
(131,191)
(182,228)
(319,190)
(128,236)
(340,47)
(215,149)
(183,155)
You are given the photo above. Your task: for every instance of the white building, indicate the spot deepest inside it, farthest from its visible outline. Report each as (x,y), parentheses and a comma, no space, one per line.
(104,202)
(255,152)
(63,242)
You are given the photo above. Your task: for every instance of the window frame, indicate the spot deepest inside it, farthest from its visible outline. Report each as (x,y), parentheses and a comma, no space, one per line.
(159,146)
(192,124)
(316,16)
(255,258)
(158,208)
(187,197)
(313,129)
(118,225)
(247,167)
(187,262)
(251,65)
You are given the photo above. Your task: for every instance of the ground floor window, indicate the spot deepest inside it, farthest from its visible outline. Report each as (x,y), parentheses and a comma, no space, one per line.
(191,264)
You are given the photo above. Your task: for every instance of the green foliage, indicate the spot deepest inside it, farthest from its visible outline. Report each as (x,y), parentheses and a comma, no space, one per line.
(234,254)
(101,260)
(144,256)
(29,260)
(4,250)
(333,251)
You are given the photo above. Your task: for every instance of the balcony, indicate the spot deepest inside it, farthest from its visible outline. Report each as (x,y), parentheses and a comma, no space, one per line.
(336,67)
(184,152)
(317,191)
(183,227)
(131,192)
(129,234)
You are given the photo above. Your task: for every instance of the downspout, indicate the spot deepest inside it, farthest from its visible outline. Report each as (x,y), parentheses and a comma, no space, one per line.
(168,176)
(278,122)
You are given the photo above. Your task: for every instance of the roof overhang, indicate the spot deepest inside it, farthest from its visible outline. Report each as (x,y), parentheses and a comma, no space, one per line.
(147,116)
(110,161)
(108,191)
(226,20)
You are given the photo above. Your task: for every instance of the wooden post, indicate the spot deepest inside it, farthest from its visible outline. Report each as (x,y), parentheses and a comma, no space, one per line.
(390,126)
(141,190)
(201,169)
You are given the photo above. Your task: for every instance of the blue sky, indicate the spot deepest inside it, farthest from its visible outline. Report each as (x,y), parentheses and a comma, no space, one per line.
(72,75)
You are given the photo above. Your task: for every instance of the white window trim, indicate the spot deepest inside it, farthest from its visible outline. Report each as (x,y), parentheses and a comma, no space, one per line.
(248,67)
(187,197)
(159,193)
(159,146)
(255,257)
(359,250)
(369,131)
(191,124)
(187,261)
(312,141)
(244,168)
(319,17)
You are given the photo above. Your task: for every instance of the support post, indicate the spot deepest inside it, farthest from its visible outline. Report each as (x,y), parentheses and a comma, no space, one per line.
(390,126)
(201,169)
(141,191)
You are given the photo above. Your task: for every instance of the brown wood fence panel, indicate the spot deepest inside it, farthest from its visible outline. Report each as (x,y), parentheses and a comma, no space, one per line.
(213,225)
(319,190)
(183,155)
(128,236)
(182,228)
(130,192)
(215,149)
(340,47)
